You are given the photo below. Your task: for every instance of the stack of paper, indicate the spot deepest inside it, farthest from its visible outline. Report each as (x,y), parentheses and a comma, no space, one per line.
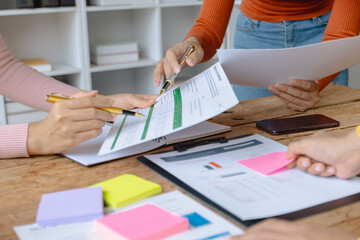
(145,222)
(115,53)
(127,188)
(77,205)
(38,64)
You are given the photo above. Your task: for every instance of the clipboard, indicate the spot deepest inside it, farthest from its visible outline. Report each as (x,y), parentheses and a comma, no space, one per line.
(289,216)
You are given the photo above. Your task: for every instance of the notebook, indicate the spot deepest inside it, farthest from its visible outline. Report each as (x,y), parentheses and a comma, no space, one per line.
(86,153)
(127,188)
(147,222)
(76,205)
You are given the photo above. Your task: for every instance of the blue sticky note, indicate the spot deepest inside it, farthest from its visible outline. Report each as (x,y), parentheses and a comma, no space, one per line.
(196,220)
(76,205)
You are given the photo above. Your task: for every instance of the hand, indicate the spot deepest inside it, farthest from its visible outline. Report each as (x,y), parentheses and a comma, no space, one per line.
(69,123)
(170,63)
(276,229)
(326,155)
(129,101)
(300,95)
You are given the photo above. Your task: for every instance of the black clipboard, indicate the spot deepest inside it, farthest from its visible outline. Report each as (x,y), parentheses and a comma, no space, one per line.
(290,216)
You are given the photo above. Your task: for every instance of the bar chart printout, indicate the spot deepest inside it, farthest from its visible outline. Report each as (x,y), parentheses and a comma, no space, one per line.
(196,100)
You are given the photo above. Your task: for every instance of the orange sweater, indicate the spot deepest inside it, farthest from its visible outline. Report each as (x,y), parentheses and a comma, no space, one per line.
(214,16)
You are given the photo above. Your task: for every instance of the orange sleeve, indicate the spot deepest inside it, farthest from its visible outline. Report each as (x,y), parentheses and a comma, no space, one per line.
(210,26)
(344,22)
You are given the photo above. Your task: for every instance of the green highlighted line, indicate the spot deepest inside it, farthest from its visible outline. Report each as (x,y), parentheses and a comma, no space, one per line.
(177,109)
(147,122)
(118,133)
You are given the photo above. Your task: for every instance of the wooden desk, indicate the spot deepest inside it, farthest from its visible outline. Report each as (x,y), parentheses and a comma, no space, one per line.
(23,181)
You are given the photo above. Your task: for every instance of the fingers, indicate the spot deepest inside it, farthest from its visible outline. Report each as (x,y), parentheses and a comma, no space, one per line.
(140,101)
(89,102)
(91,114)
(158,73)
(299,96)
(310,86)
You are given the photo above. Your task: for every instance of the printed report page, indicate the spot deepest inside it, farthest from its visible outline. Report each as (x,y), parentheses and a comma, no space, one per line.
(215,172)
(196,100)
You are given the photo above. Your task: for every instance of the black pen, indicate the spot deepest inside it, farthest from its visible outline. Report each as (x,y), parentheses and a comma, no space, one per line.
(173,75)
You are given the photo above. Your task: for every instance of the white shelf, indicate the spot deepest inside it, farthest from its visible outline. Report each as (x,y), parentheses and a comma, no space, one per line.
(119,7)
(62,69)
(141,63)
(181,4)
(62,36)
(18,12)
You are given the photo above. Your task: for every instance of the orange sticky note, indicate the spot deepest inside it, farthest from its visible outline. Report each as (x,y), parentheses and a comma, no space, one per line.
(267,164)
(147,222)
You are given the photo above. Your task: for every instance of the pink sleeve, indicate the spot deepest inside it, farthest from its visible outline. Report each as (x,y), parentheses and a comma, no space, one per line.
(27,86)
(13,140)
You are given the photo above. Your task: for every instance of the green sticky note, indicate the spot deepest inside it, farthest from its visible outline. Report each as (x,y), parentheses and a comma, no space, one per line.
(126,189)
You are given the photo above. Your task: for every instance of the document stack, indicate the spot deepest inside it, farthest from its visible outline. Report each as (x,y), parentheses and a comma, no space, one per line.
(38,64)
(114,53)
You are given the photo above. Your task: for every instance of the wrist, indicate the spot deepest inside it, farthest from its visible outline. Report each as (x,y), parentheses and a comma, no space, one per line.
(34,141)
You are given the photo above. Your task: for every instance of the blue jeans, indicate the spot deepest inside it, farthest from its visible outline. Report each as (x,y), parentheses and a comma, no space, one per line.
(254,34)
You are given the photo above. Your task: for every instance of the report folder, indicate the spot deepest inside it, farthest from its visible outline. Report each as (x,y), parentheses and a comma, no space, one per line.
(86,153)
(213,173)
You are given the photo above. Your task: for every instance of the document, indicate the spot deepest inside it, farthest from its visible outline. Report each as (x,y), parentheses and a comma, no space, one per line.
(205,224)
(213,171)
(196,100)
(87,152)
(264,67)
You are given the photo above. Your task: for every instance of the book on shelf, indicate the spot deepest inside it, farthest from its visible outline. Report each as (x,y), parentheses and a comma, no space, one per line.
(118,2)
(115,59)
(113,48)
(38,64)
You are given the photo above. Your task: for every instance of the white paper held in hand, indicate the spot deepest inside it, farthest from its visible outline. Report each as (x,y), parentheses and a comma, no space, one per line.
(198,99)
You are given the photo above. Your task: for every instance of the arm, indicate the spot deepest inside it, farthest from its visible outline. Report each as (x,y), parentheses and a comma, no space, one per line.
(344,22)
(26,85)
(210,27)
(206,36)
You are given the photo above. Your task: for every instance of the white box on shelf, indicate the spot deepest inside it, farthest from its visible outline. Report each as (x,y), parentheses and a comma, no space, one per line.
(118,2)
(38,64)
(115,59)
(113,48)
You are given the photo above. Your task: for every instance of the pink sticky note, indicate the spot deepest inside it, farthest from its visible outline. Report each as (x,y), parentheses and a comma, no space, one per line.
(145,222)
(267,164)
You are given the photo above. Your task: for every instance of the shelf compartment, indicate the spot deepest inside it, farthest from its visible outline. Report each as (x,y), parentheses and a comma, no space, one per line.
(142,63)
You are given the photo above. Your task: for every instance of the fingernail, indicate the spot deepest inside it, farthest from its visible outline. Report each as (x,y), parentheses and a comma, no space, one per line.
(305,164)
(330,170)
(318,169)
(176,69)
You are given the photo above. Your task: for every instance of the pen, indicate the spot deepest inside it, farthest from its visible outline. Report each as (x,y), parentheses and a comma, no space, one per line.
(55,97)
(173,75)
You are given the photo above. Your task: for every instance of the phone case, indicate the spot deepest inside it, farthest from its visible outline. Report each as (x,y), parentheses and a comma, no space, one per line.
(296,124)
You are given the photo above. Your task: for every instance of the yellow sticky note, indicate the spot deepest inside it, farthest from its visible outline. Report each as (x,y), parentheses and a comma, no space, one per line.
(126,189)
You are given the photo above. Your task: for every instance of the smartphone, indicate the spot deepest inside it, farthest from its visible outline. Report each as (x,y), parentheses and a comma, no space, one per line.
(296,124)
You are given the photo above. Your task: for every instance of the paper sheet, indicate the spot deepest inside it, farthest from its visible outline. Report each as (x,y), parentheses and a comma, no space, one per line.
(175,201)
(264,67)
(244,192)
(198,99)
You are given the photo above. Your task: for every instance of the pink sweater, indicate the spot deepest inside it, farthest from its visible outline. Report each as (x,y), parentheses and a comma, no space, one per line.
(27,86)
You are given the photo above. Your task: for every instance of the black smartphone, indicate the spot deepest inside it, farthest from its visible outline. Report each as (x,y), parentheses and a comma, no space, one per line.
(296,124)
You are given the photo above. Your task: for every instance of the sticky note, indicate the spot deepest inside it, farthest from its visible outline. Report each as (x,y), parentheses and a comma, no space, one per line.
(76,205)
(267,164)
(127,188)
(196,220)
(148,222)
